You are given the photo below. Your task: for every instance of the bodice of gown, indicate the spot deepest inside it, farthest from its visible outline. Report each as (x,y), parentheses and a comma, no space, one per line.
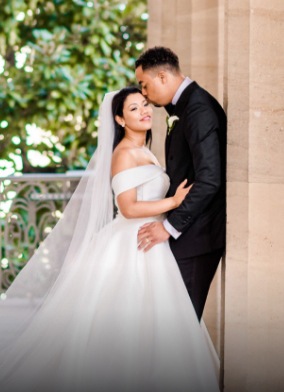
(151,182)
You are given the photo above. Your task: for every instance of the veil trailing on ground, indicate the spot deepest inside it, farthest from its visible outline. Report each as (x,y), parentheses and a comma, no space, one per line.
(87,213)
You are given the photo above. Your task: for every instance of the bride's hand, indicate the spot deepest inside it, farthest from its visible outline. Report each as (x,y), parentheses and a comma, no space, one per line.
(181,192)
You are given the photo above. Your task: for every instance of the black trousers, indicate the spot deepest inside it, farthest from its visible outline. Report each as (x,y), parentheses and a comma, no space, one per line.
(197,273)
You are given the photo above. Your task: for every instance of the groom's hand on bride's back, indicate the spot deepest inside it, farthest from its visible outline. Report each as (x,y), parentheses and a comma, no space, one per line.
(151,234)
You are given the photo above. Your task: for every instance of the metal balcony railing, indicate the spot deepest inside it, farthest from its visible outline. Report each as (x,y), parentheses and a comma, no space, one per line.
(30,206)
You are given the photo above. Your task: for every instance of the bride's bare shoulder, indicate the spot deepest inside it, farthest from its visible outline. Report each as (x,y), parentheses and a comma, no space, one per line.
(123,158)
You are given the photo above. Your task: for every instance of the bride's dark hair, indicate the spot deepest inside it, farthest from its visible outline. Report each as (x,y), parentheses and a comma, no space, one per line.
(117,110)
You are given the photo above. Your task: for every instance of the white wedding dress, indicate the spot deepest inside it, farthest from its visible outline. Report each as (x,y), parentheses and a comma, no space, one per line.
(121,320)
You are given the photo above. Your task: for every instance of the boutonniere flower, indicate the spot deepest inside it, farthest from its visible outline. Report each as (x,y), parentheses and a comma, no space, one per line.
(171,120)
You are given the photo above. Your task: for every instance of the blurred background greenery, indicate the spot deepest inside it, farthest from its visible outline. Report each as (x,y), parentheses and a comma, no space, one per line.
(57,59)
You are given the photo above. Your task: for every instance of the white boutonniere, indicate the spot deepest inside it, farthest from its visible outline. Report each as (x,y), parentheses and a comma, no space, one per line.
(171,120)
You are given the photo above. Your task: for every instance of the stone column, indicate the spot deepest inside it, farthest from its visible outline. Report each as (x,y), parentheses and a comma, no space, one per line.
(254,294)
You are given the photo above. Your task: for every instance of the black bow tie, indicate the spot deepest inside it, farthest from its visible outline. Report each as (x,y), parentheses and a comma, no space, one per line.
(170,108)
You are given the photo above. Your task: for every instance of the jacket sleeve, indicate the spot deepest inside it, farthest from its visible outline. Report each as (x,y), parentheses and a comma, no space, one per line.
(201,134)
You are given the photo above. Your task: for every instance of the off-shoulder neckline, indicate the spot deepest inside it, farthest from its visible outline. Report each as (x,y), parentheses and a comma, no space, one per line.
(137,167)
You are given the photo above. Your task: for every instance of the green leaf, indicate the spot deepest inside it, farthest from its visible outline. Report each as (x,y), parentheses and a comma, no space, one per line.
(105,48)
(42,34)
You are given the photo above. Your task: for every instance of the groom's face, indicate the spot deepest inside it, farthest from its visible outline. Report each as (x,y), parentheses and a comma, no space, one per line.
(154,86)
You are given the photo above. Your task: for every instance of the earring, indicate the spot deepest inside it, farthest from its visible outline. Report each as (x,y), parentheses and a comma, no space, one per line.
(122,124)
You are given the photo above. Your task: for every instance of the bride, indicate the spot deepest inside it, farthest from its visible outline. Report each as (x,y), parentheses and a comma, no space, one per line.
(91,312)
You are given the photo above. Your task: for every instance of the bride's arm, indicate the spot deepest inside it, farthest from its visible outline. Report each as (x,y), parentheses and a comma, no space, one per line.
(130,207)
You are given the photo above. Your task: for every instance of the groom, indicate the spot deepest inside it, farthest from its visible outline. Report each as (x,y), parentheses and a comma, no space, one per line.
(195,150)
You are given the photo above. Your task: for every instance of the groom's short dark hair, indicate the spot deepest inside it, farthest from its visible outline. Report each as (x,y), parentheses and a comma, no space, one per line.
(158,56)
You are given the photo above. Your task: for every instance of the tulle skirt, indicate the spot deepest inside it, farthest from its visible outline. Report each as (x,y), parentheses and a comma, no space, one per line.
(116,319)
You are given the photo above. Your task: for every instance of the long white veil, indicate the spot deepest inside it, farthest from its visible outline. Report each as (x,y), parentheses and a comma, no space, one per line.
(88,211)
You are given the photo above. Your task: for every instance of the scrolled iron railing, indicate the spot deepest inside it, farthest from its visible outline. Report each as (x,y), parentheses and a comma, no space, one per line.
(30,206)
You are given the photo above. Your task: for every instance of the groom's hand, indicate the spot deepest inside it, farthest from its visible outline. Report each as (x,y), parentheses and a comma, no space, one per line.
(151,234)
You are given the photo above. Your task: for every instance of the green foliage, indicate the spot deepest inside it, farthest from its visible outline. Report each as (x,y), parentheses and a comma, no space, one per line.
(58,59)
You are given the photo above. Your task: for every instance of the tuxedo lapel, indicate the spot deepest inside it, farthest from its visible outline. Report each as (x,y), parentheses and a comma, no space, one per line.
(178,110)
(170,108)
(167,145)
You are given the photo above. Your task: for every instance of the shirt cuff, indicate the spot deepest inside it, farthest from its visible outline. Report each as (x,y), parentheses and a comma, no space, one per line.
(171,230)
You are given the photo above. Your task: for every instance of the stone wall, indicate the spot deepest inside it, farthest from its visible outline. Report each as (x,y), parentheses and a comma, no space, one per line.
(254,313)
(235,49)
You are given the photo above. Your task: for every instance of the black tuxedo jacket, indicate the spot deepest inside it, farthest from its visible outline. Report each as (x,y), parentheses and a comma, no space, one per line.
(196,151)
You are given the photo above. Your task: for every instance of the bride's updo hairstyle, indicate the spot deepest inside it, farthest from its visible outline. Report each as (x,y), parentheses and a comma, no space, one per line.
(117,110)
